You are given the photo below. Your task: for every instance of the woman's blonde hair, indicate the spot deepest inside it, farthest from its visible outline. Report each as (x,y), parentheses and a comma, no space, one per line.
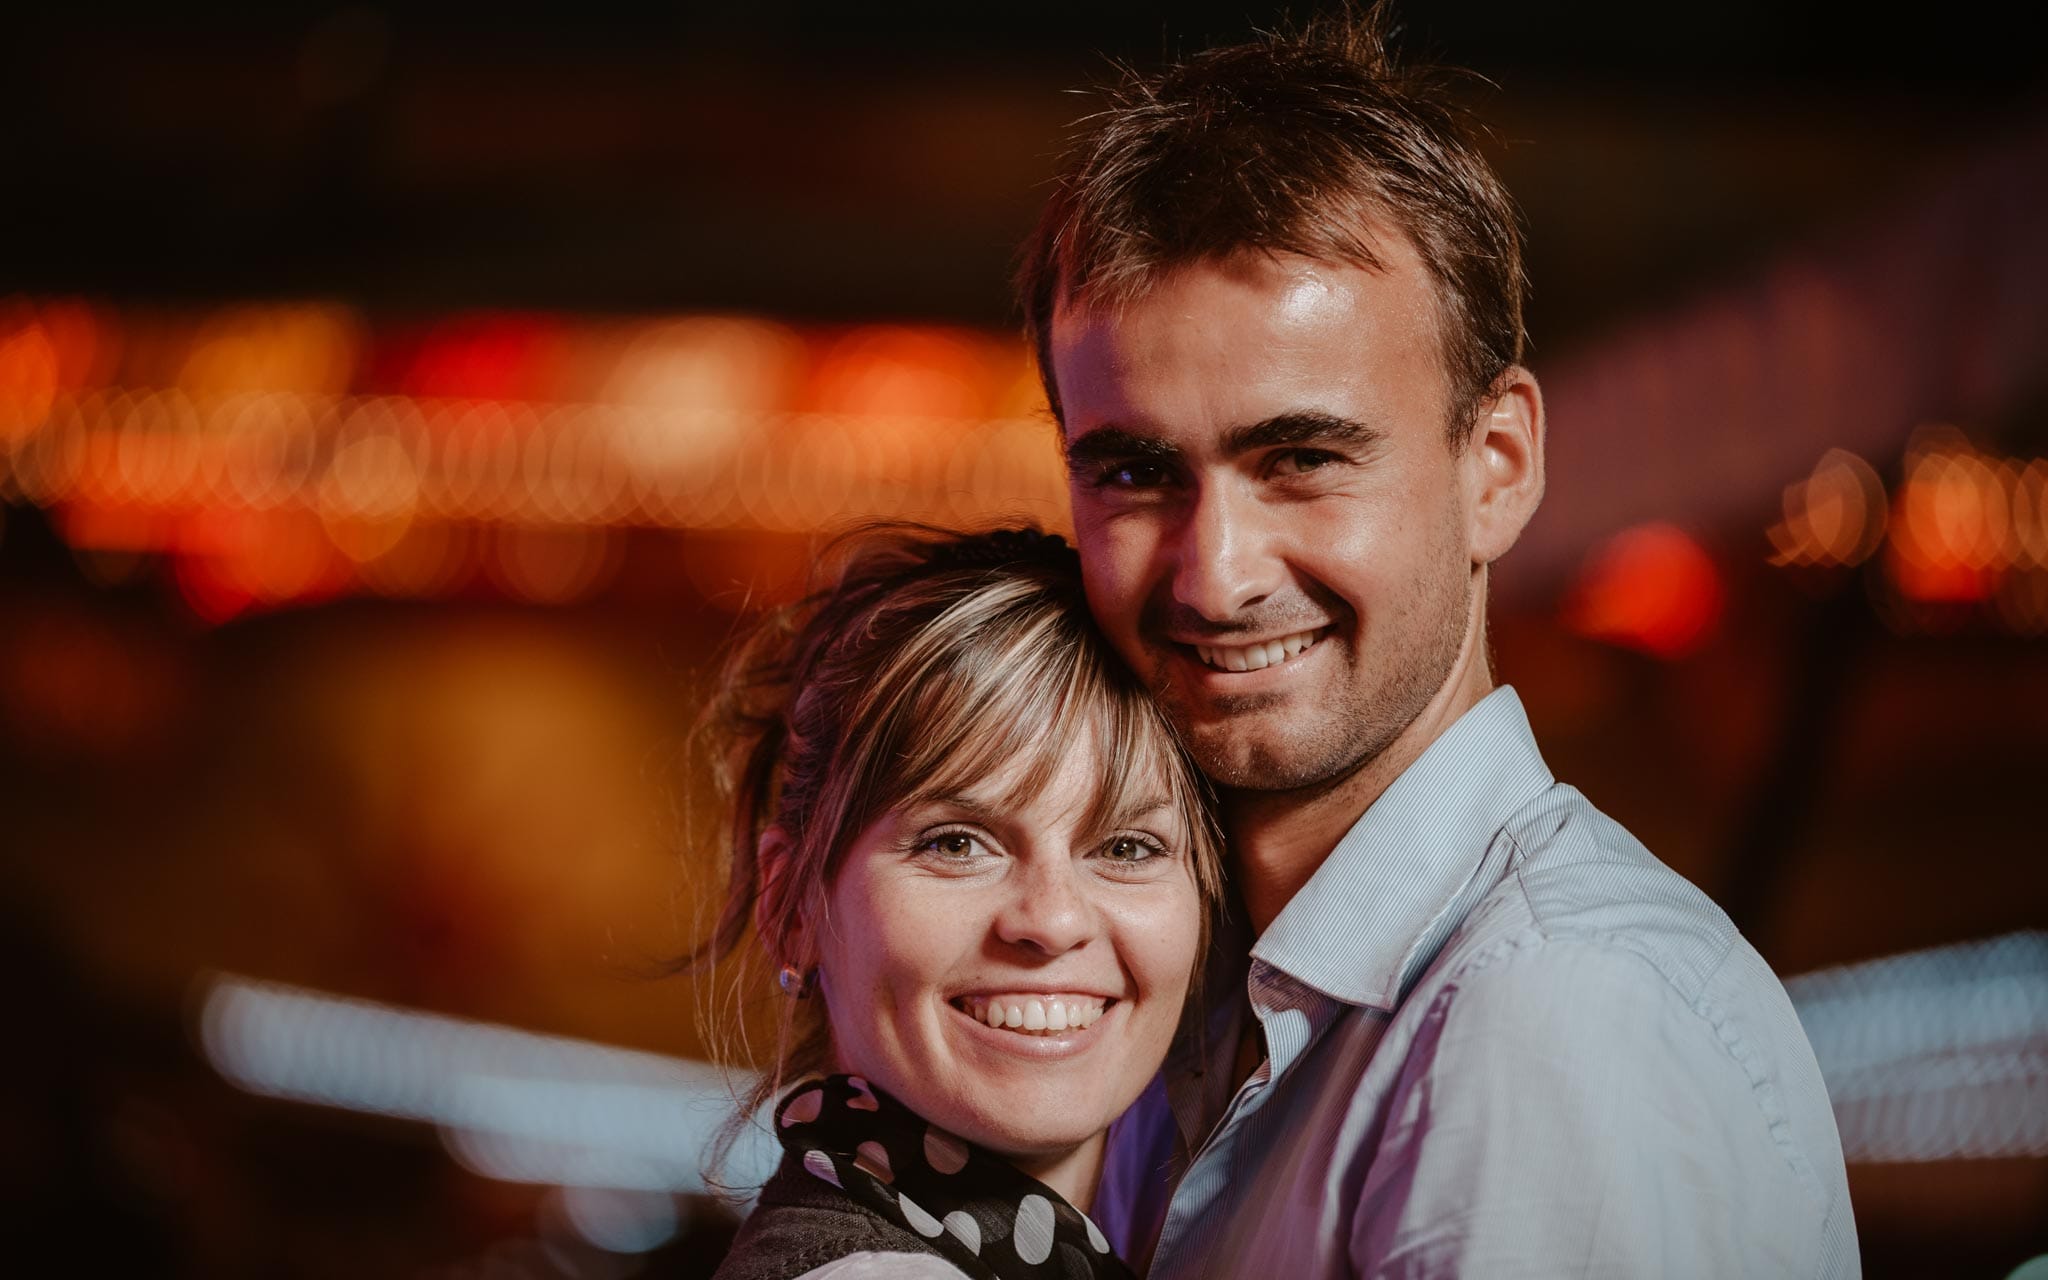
(929,662)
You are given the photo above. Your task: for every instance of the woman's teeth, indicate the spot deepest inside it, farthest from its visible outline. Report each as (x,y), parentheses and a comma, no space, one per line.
(1033,1015)
(1256,657)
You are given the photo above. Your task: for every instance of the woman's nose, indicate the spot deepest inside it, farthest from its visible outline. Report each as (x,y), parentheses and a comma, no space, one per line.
(1048,911)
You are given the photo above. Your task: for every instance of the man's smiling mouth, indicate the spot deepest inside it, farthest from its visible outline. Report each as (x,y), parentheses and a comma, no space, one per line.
(1257,657)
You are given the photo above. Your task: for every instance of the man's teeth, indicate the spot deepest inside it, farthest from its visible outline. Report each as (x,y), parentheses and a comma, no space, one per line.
(1255,657)
(1040,1015)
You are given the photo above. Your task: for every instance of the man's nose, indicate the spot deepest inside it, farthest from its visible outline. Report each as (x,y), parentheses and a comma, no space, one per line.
(1048,910)
(1223,557)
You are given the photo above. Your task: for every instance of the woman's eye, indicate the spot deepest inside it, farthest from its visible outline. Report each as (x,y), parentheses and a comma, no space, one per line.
(952,845)
(1131,849)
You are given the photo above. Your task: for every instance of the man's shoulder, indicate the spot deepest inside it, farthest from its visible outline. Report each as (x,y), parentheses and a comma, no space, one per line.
(1591,958)
(1577,882)
(1589,944)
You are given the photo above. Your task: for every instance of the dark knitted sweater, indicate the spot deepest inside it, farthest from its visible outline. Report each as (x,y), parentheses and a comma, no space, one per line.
(802,1223)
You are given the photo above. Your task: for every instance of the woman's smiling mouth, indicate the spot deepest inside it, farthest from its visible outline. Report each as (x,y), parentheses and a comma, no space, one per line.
(1034,1014)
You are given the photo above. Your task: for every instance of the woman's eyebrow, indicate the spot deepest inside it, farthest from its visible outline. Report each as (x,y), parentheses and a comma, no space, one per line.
(1133,812)
(974,810)
(987,814)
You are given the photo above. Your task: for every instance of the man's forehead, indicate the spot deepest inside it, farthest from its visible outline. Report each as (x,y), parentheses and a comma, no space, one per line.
(1235,343)
(1284,295)
(1109,306)
(1386,249)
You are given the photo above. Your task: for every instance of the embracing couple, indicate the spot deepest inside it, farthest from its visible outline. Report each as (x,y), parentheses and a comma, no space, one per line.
(1191,901)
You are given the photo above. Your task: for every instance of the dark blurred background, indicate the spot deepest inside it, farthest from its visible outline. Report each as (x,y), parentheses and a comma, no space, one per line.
(399,406)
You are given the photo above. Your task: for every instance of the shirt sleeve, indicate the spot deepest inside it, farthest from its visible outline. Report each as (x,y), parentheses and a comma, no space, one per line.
(1565,1111)
(885,1266)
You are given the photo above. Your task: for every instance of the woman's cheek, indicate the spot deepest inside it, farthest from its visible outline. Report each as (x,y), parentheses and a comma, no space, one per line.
(1165,934)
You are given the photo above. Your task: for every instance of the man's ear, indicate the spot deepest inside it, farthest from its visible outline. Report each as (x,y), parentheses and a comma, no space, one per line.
(778,922)
(1503,465)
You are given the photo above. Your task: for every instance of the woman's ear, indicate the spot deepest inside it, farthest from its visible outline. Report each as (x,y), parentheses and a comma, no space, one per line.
(778,922)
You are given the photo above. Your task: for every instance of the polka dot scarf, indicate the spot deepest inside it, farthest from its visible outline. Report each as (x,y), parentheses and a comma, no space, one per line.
(987,1217)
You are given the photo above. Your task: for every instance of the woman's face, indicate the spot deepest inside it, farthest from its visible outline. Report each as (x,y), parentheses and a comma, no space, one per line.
(950,916)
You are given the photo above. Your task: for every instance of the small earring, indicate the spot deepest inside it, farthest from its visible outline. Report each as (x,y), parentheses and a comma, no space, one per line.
(797,983)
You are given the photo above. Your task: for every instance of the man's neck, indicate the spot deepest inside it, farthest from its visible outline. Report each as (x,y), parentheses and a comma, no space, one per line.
(1277,839)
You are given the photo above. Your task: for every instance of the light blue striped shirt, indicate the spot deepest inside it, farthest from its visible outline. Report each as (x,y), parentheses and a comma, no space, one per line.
(1502,1040)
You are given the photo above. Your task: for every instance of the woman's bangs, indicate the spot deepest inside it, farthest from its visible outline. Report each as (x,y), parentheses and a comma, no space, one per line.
(979,720)
(1008,689)
(1025,720)
(1143,768)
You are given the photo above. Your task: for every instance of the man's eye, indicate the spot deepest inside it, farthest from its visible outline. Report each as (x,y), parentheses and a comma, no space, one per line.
(1132,475)
(1295,462)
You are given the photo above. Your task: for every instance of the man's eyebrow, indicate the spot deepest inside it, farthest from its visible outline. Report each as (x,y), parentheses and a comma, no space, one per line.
(1297,428)
(1115,444)
(1303,427)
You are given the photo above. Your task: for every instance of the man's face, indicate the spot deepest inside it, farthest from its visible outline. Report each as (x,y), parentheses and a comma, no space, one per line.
(1272,521)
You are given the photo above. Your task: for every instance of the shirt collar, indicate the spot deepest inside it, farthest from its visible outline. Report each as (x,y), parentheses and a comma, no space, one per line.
(1353,929)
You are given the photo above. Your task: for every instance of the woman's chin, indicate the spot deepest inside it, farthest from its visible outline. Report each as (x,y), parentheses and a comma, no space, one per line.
(1033,1146)
(1023,1120)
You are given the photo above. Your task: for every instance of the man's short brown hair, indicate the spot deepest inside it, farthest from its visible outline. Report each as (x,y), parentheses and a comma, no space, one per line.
(1300,142)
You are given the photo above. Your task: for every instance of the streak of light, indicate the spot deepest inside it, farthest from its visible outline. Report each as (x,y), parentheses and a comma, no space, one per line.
(512,1105)
(1935,1055)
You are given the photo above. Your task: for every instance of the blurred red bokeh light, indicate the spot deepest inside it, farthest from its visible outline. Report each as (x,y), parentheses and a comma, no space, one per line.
(1650,588)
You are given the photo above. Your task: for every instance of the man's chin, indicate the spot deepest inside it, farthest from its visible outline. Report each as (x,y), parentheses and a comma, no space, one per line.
(1269,749)
(1252,741)
(1237,755)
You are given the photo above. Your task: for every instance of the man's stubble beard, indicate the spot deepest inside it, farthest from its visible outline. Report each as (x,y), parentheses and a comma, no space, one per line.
(1315,746)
